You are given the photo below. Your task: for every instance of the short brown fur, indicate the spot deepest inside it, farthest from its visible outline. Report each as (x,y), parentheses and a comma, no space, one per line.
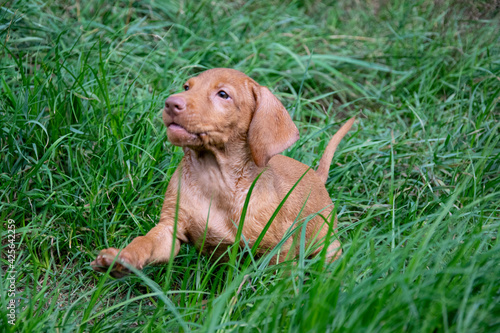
(227,142)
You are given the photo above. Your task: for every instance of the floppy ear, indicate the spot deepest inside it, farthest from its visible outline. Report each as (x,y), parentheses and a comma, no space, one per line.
(271,130)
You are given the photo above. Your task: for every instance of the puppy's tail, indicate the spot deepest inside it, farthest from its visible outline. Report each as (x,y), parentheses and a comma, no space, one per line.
(326,159)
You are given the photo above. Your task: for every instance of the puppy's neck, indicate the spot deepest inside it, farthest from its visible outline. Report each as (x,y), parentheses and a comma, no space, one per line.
(230,167)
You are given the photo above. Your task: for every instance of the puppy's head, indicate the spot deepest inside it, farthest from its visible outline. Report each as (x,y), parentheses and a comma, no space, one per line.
(222,105)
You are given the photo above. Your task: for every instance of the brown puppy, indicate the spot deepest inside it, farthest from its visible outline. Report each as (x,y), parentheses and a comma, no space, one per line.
(231,130)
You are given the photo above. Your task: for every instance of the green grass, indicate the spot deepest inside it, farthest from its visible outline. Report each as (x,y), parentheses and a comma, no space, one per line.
(85,162)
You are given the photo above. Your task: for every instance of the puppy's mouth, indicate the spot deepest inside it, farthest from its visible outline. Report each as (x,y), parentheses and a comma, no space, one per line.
(174,127)
(180,136)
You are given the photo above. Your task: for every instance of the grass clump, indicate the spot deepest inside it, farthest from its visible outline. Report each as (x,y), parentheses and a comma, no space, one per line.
(85,162)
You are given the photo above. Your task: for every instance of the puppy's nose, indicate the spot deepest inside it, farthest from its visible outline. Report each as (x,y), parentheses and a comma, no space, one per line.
(175,105)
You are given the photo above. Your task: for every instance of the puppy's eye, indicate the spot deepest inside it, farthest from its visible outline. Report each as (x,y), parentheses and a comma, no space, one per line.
(186,87)
(223,94)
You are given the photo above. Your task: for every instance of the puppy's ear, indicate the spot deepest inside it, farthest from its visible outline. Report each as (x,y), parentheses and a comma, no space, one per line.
(271,130)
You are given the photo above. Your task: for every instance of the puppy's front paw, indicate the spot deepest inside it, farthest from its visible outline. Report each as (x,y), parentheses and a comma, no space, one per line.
(106,257)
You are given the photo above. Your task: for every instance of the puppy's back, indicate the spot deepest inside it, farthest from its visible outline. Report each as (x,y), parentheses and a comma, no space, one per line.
(288,171)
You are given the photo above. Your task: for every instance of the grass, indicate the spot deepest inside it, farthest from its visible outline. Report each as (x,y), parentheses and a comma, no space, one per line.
(85,162)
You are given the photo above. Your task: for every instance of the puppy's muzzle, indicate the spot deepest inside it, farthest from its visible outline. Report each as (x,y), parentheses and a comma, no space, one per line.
(175,105)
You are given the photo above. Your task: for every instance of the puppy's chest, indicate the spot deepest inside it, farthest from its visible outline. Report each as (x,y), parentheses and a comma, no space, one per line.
(213,219)
(215,208)
(214,223)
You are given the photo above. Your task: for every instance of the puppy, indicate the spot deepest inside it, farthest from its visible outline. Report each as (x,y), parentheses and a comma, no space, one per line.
(231,130)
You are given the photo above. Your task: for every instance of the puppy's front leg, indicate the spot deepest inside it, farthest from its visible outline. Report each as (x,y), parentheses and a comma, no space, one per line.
(155,247)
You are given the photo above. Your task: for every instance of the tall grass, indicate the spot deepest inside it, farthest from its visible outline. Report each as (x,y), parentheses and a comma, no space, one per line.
(85,162)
